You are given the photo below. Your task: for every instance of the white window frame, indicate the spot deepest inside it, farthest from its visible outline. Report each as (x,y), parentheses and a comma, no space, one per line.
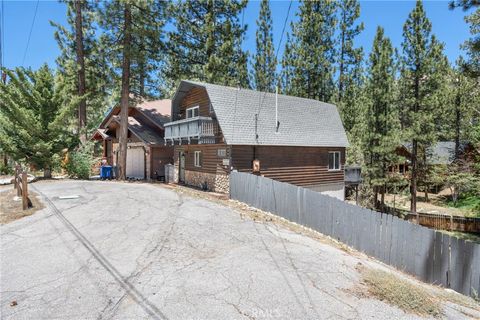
(221,153)
(196,159)
(192,111)
(336,154)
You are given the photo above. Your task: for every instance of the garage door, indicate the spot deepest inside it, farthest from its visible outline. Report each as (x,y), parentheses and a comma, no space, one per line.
(135,163)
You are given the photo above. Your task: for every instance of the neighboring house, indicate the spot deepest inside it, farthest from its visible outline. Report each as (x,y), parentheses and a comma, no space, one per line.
(217,129)
(147,154)
(441,153)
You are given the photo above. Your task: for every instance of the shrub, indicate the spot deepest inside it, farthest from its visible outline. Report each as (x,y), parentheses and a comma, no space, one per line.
(5,169)
(80,162)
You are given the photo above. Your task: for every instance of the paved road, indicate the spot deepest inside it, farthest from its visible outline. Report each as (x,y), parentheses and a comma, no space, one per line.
(139,251)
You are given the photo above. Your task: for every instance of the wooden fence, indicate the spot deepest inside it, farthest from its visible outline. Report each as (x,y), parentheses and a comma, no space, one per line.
(21,184)
(429,255)
(445,222)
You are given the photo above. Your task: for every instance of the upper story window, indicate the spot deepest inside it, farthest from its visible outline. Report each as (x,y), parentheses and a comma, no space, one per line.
(193,112)
(334,160)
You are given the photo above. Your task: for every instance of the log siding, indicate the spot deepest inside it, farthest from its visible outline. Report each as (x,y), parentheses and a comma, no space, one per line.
(302,166)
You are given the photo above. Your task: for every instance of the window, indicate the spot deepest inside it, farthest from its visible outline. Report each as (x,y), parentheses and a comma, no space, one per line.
(197,161)
(334,160)
(222,153)
(192,112)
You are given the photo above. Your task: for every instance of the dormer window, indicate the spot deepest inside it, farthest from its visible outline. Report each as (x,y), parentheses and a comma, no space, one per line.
(193,112)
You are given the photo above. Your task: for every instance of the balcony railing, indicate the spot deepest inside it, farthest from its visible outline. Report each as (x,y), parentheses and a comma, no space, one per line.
(201,129)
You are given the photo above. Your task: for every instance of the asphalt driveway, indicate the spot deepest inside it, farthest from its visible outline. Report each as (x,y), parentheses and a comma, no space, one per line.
(140,251)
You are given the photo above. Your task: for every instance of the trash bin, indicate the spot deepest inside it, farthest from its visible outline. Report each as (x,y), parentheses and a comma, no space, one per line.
(106,172)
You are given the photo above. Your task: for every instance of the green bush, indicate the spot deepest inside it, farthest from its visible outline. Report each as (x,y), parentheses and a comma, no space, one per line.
(5,169)
(80,162)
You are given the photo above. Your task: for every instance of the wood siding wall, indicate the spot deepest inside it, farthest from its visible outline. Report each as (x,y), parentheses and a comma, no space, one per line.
(302,166)
(159,158)
(199,97)
(211,162)
(195,97)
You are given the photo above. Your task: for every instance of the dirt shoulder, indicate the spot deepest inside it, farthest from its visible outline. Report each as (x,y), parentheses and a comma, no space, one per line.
(11,209)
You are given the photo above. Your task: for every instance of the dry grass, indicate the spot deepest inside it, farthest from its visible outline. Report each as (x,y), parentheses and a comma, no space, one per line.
(11,210)
(401,293)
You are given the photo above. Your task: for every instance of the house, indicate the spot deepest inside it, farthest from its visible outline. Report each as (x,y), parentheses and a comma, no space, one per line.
(441,153)
(147,153)
(216,129)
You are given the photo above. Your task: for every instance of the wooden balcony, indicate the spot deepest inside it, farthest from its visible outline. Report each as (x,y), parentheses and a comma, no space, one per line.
(199,129)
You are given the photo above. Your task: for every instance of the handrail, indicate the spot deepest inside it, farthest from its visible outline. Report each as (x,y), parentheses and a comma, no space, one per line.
(172,123)
(201,128)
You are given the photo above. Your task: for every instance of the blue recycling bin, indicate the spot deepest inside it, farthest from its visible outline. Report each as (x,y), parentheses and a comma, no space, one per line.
(106,172)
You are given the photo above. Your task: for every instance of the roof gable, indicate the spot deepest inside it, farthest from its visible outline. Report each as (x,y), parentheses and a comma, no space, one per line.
(303,122)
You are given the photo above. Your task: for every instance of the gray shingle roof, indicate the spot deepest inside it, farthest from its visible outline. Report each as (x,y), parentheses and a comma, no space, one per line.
(442,152)
(303,122)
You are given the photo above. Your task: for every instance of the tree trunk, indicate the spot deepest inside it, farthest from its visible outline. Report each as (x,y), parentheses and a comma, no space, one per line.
(82,108)
(413,184)
(47,173)
(142,79)
(342,61)
(457,126)
(382,197)
(122,151)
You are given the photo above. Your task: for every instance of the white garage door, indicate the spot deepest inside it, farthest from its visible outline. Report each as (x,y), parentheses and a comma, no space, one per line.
(135,163)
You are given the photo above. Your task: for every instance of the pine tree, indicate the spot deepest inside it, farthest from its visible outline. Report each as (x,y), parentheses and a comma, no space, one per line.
(464,99)
(79,63)
(381,117)
(349,56)
(206,42)
(265,61)
(288,67)
(133,30)
(423,66)
(35,117)
(97,82)
(312,45)
(472,45)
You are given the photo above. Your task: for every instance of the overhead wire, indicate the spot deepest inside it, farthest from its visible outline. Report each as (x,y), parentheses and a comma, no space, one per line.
(30,33)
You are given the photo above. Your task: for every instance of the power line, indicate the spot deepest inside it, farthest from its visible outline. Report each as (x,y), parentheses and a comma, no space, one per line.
(30,34)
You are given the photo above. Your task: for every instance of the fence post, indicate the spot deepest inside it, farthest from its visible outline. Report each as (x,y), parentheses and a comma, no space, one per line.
(15,180)
(24,191)
(19,187)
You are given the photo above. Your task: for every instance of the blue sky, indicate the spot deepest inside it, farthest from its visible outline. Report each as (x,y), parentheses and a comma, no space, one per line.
(449,26)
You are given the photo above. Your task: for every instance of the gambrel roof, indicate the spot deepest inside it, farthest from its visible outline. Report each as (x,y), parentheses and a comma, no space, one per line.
(302,122)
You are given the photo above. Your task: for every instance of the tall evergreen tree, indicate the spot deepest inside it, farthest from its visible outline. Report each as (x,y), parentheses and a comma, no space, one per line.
(381,136)
(472,45)
(83,63)
(423,65)
(349,56)
(206,42)
(313,46)
(265,63)
(465,99)
(350,71)
(133,30)
(288,67)
(35,117)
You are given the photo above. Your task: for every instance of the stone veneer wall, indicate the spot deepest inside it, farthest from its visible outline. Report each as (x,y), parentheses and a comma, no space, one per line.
(215,182)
